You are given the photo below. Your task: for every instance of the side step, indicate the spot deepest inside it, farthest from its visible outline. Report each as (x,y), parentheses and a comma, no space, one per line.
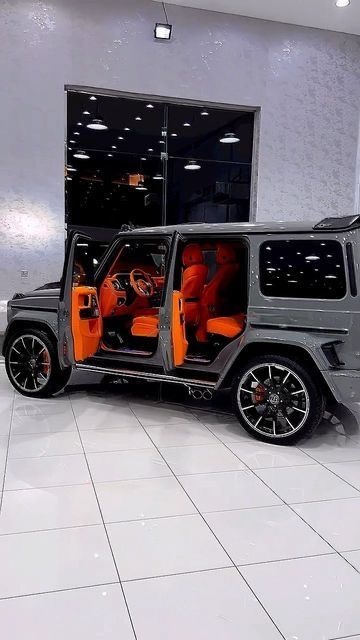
(145,375)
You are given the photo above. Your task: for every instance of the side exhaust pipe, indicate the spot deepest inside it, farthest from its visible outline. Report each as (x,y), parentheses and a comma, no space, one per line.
(200,394)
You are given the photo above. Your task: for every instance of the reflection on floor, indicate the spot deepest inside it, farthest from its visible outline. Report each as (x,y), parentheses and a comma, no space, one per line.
(127,517)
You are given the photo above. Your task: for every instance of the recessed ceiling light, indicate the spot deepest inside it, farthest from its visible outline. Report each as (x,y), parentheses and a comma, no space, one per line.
(86,113)
(162,31)
(113,146)
(342,3)
(79,124)
(120,138)
(92,98)
(150,150)
(69,168)
(138,118)
(161,141)
(158,176)
(229,138)
(76,133)
(126,129)
(141,186)
(110,155)
(204,112)
(68,178)
(70,148)
(72,141)
(186,124)
(150,106)
(82,155)
(143,159)
(192,165)
(98,124)
(173,135)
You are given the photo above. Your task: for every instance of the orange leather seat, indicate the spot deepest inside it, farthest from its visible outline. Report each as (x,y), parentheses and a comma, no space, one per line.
(193,282)
(145,326)
(229,327)
(218,292)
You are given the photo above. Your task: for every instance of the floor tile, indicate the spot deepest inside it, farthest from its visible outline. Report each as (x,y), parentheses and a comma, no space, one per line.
(229,490)
(203,458)
(87,613)
(210,605)
(306,484)
(115,439)
(137,499)
(164,546)
(3,449)
(260,455)
(354,558)
(214,418)
(52,471)
(348,471)
(161,413)
(338,521)
(266,534)
(127,465)
(229,431)
(5,420)
(45,406)
(103,417)
(311,598)
(48,444)
(43,423)
(58,559)
(180,435)
(50,508)
(331,448)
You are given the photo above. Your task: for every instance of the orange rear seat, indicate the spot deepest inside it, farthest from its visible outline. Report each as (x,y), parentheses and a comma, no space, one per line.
(229,326)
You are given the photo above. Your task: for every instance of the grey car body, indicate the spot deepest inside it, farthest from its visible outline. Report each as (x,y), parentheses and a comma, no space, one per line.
(323,333)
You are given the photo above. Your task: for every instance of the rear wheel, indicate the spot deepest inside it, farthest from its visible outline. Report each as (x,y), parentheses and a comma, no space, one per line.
(276,400)
(32,364)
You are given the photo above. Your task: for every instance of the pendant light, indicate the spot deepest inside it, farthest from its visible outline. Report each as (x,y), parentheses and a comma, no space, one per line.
(97,123)
(192,165)
(81,155)
(229,138)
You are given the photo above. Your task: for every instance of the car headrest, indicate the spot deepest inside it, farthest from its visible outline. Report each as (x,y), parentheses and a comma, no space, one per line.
(192,254)
(225,254)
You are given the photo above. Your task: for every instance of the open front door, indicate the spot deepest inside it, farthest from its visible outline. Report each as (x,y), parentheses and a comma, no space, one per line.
(79,317)
(178,335)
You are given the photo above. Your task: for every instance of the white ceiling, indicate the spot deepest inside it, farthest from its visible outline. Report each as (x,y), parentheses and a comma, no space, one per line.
(309,13)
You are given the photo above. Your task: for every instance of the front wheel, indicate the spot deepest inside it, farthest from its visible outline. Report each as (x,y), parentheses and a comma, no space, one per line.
(32,364)
(276,400)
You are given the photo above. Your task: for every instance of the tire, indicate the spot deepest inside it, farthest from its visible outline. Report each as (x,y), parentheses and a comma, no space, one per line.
(276,399)
(36,372)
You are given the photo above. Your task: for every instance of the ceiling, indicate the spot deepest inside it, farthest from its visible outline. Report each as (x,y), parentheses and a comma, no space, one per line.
(322,14)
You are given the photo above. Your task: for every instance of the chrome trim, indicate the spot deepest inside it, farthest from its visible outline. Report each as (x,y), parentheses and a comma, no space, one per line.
(146,375)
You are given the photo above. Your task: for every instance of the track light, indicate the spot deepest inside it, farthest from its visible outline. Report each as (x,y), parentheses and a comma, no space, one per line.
(192,165)
(81,155)
(229,138)
(98,124)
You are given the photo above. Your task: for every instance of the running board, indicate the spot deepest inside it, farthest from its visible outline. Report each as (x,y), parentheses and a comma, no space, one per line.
(161,377)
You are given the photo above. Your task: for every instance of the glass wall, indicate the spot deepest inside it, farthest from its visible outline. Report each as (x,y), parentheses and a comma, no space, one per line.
(140,163)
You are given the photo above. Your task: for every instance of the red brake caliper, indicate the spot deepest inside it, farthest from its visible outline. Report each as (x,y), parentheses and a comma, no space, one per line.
(259,393)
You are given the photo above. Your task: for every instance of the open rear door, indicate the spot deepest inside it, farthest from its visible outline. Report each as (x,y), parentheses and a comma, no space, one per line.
(79,318)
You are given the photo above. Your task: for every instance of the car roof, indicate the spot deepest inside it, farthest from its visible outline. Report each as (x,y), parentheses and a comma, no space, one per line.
(231,227)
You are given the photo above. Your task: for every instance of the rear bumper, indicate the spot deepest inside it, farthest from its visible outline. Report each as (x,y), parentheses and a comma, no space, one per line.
(345,385)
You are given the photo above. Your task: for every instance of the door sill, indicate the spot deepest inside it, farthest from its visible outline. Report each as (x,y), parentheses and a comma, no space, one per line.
(160,377)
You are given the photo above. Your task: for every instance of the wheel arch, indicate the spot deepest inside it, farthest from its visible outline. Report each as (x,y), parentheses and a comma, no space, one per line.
(20,324)
(298,353)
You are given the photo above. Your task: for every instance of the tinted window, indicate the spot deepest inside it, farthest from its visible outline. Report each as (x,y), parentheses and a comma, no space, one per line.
(302,269)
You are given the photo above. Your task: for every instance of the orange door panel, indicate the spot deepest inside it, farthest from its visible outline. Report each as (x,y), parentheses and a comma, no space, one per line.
(179,342)
(86,322)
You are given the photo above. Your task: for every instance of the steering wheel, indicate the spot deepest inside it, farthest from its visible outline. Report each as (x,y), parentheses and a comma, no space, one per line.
(142,283)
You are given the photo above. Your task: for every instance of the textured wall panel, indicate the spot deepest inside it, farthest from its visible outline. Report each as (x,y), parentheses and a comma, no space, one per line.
(305,80)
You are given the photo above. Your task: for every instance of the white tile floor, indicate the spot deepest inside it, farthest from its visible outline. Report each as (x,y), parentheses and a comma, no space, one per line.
(129,518)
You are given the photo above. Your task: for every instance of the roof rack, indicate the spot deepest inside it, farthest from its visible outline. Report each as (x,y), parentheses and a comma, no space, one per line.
(345,222)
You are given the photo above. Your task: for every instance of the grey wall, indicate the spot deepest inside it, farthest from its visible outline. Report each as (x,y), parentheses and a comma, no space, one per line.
(306,82)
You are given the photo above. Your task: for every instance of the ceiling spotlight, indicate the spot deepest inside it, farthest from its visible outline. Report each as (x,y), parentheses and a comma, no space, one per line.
(173,135)
(98,124)
(72,141)
(186,124)
(110,155)
(120,138)
(158,176)
(79,124)
(150,150)
(150,106)
(143,159)
(113,146)
(192,165)
(86,113)
(141,186)
(70,148)
(162,31)
(138,118)
(342,3)
(229,138)
(76,133)
(126,129)
(69,168)
(81,155)
(204,112)
(161,141)
(68,178)
(92,98)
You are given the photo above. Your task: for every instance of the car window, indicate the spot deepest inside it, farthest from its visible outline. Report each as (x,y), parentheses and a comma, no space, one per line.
(302,269)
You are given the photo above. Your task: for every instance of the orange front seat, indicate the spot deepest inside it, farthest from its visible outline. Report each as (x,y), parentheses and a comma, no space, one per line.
(218,293)
(193,282)
(228,326)
(145,326)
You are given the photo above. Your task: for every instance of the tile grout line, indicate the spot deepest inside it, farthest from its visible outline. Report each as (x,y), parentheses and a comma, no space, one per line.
(212,532)
(44,593)
(7,454)
(104,525)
